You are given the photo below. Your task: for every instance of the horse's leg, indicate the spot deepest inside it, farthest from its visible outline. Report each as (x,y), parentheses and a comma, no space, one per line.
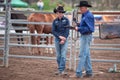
(51,42)
(47,42)
(39,29)
(21,38)
(33,38)
(18,39)
(18,36)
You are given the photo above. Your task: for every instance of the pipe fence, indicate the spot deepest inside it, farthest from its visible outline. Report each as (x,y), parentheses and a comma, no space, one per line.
(73,39)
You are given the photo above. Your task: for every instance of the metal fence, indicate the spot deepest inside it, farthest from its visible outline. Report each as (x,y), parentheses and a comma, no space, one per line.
(73,40)
(8,38)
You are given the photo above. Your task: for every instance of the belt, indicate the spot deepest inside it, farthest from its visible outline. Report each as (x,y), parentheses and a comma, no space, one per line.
(87,33)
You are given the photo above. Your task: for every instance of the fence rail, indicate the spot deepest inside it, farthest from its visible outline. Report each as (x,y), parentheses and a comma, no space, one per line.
(104,12)
(52,46)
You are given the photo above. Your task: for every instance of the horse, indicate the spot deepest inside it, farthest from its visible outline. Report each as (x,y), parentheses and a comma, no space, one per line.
(19,16)
(16,16)
(40,28)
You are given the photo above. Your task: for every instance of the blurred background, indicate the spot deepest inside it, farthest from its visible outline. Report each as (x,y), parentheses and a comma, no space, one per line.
(98,5)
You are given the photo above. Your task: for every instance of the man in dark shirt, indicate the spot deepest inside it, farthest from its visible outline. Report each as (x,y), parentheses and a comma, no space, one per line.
(86,28)
(61,38)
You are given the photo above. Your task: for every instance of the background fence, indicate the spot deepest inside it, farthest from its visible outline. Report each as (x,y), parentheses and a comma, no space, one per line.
(73,40)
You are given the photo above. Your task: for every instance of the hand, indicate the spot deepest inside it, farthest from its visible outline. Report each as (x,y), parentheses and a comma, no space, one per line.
(62,38)
(76,28)
(62,42)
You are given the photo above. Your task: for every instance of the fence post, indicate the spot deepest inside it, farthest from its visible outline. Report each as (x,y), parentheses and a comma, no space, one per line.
(6,48)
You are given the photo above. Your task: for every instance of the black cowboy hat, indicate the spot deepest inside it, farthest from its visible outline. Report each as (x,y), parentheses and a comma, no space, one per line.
(59,9)
(83,3)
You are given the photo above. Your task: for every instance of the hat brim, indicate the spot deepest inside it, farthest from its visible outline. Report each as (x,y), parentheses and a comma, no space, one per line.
(83,6)
(55,11)
(61,11)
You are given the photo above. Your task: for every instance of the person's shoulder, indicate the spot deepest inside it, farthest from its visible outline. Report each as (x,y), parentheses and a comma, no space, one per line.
(90,14)
(56,19)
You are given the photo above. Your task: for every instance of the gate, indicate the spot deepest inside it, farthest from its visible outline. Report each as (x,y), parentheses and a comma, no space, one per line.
(73,40)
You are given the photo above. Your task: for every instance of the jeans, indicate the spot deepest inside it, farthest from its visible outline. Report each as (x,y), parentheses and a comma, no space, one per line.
(84,56)
(40,7)
(61,51)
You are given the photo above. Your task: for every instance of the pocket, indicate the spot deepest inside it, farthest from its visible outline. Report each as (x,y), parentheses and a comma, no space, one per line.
(90,37)
(64,22)
(56,23)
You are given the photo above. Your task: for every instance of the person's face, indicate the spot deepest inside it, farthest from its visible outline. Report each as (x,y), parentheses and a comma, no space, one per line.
(60,15)
(83,9)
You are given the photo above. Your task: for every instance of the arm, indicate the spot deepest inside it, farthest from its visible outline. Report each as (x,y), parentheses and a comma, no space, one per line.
(67,29)
(90,23)
(87,25)
(56,34)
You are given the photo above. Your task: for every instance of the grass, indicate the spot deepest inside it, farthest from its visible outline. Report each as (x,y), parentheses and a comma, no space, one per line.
(49,6)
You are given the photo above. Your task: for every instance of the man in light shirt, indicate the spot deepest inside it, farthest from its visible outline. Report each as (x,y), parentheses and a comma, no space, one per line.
(40,4)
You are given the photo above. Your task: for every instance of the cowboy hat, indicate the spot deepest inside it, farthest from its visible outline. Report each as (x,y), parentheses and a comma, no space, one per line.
(83,4)
(59,9)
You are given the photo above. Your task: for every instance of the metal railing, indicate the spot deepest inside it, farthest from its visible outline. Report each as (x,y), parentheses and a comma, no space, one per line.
(73,39)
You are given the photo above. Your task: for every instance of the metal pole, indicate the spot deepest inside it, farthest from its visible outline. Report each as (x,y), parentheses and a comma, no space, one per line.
(70,59)
(71,42)
(75,54)
(6,35)
(72,46)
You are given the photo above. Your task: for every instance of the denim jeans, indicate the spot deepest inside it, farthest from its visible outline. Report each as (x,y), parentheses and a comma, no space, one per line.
(84,56)
(40,7)
(61,51)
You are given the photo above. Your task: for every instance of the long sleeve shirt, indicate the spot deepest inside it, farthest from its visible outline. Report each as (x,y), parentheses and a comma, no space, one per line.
(59,29)
(87,23)
(40,4)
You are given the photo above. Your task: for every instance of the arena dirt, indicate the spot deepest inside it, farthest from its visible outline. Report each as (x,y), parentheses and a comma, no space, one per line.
(39,69)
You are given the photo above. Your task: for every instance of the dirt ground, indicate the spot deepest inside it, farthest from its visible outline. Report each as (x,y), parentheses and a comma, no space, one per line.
(39,69)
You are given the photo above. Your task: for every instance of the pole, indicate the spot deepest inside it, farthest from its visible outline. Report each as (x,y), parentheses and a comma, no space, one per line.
(6,34)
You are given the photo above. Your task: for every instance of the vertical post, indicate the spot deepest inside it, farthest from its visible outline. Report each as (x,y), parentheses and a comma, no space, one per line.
(75,37)
(6,34)
(74,55)
(71,59)
(70,38)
